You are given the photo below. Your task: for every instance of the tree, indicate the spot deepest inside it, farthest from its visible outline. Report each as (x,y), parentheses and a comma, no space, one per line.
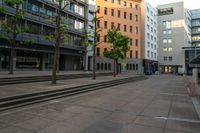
(85,45)
(60,34)
(13,27)
(119,44)
(96,43)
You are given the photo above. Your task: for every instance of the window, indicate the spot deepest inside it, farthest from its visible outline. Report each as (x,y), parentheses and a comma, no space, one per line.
(124,3)
(112,12)
(112,1)
(105,24)
(169,31)
(164,23)
(105,49)
(131,16)
(98,51)
(118,13)
(131,5)
(136,54)
(148,53)
(136,6)
(169,40)
(165,11)
(151,54)
(164,40)
(136,30)
(165,58)
(170,58)
(124,15)
(136,18)
(118,26)
(105,38)
(148,35)
(136,67)
(169,49)
(98,37)
(131,29)
(112,25)
(164,32)
(164,49)
(98,9)
(105,10)
(131,54)
(124,28)
(118,2)
(136,42)
(131,42)
(98,23)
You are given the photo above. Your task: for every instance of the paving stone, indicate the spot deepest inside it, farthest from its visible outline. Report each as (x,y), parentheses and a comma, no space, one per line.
(13,129)
(183,126)
(16,117)
(149,121)
(104,126)
(35,124)
(141,129)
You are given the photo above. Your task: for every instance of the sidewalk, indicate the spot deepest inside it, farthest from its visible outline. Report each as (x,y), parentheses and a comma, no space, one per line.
(157,105)
(18,89)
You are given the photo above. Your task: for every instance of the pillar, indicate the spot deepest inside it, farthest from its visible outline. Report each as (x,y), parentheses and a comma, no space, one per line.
(14,63)
(43,62)
(195,75)
(1,59)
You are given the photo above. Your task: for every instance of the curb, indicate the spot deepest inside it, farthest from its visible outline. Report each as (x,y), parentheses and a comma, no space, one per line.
(196,105)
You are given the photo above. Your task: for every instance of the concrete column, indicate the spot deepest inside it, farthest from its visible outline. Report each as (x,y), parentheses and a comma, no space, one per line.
(43,62)
(1,58)
(14,63)
(195,75)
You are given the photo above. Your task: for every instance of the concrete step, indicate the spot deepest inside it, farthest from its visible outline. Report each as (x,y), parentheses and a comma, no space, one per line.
(19,80)
(29,99)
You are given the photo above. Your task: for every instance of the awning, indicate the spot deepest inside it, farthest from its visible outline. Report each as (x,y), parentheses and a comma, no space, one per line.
(195,60)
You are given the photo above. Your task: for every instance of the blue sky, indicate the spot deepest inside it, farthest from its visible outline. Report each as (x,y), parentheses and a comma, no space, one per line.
(191,4)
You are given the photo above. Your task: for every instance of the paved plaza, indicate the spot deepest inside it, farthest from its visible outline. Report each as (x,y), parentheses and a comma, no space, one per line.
(157,105)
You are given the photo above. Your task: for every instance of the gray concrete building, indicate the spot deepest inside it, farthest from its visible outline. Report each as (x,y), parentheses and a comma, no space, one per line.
(149,38)
(174,33)
(39,56)
(194,50)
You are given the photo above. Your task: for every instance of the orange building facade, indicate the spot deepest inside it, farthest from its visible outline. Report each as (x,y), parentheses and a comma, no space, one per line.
(126,16)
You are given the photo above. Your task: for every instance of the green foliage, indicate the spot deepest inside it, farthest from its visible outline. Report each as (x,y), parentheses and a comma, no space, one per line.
(119,44)
(2,10)
(13,2)
(27,42)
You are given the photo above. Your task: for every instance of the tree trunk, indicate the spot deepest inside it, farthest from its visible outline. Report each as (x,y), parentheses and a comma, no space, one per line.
(114,72)
(12,57)
(58,61)
(94,63)
(94,48)
(117,72)
(57,45)
(85,61)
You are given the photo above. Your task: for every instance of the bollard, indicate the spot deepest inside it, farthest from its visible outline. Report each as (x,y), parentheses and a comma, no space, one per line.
(192,89)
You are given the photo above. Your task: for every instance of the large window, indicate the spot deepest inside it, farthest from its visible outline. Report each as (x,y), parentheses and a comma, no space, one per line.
(165,11)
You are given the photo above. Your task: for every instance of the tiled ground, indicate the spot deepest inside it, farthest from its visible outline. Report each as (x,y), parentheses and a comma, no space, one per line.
(157,105)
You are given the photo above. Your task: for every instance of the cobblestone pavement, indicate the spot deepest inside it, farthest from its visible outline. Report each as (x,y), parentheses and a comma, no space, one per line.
(157,105)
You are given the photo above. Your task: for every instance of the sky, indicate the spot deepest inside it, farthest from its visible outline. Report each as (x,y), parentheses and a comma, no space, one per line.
(191,4)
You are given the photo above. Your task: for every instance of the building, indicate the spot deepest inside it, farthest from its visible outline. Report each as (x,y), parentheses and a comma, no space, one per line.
(194,50)
(149,38)
(174,33)
(90,30)
(39,55)
(126,16)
